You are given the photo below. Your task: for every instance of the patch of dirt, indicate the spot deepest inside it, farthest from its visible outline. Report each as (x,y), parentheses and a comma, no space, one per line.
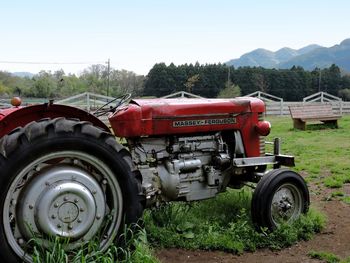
(335,238)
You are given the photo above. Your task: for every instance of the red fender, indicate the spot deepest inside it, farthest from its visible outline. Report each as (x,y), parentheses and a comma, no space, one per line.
(20,116)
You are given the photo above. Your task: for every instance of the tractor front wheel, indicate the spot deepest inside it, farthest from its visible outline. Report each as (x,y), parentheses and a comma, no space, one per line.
(281,196)
(66,178)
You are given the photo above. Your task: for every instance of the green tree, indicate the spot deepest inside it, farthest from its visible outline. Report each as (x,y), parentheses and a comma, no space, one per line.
(95,78)
(44,85)
(258,80)
(230,91)
(191,81)
(159,82)
(71,85)
(4,91)
(331,80)
(344,94)
(123,81)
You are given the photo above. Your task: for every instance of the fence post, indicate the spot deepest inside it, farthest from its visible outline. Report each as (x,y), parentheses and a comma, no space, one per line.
(281,107)
(88,101)
(341,107)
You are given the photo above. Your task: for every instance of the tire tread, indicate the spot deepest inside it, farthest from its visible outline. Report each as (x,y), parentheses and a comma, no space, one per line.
(33,132)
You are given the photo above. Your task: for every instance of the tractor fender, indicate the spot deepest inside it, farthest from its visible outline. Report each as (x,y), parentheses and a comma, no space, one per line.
(24,115)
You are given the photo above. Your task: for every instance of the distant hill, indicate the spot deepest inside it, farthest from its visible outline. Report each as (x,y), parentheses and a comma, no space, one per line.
(307,57)
(323,57)
(23,74)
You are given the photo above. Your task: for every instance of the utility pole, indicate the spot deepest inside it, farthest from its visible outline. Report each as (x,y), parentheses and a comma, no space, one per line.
(319,81)
(108,73)
(228,76)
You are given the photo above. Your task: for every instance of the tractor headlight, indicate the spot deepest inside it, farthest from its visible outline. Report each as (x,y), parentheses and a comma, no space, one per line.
(263,128)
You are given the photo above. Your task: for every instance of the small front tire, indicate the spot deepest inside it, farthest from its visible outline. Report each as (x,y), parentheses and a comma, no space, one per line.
(281,196)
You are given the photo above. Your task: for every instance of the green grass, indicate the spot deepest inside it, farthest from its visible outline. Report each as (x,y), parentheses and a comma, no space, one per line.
(222,223)
(337,194)
(327,257)
(322,152)
(136,250)
(346,199)
(324,256)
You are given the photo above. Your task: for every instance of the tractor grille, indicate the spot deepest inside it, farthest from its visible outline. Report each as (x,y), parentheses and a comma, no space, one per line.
(261,138)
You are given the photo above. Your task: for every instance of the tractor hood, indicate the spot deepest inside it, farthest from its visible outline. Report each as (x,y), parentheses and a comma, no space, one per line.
(144,117)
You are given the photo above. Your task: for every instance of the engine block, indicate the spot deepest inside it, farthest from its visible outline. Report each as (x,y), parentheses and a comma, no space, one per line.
(189,168)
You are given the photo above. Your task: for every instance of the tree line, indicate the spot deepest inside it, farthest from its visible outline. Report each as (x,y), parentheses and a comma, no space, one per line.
(57,84)
(210,80)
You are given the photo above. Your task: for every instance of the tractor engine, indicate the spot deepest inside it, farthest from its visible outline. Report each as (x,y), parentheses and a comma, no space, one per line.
(185,148)
(185,167)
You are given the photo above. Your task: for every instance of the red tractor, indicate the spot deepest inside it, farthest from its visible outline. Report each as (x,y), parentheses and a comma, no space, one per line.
(63,172)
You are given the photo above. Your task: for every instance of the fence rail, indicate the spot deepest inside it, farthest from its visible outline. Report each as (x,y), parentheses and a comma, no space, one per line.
(282,108)
(4,103)
(89,102)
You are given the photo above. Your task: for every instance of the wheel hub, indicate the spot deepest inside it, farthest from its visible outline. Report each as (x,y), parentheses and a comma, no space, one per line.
(63,201)
(286,203)
(68,212)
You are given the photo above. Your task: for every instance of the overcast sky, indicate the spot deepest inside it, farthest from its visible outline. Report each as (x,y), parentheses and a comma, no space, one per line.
(137,34)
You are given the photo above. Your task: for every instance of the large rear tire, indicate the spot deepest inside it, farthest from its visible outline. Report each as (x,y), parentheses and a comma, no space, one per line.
(68,178)
(281,196)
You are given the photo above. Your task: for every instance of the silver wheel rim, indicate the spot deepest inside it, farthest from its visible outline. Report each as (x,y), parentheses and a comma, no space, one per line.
(286,205)
(66,193)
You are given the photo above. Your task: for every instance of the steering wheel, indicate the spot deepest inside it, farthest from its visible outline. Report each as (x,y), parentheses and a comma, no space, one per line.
(121,100)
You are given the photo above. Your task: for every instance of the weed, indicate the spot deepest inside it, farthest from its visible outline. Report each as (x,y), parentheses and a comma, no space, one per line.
(224,223)
(136,250)
(168,214)
(337,194)
(346,199)
(327,257)
(324,256)
(335,181)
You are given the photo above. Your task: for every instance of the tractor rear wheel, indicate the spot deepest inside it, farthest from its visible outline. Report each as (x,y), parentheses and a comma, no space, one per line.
(67,178)
(281,196)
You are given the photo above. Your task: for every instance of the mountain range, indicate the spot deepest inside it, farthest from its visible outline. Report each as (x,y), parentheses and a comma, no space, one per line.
(23,74)
(308,57)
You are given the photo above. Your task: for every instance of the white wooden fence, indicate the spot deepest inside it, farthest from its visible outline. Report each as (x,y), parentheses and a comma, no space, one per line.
(274,105)
(4,103)
(281,108)
(86,101)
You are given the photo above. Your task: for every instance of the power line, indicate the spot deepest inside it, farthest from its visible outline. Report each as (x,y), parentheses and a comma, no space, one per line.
(108,72)
(51,63)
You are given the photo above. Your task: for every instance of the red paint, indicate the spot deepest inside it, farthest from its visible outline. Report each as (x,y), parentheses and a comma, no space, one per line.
(263,128)
(153,117)
(5,112)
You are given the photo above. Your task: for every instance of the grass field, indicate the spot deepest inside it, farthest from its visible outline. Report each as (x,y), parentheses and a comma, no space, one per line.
(320,151)
(223,223)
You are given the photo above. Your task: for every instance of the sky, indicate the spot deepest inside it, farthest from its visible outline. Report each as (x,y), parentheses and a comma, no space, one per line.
(134,35)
